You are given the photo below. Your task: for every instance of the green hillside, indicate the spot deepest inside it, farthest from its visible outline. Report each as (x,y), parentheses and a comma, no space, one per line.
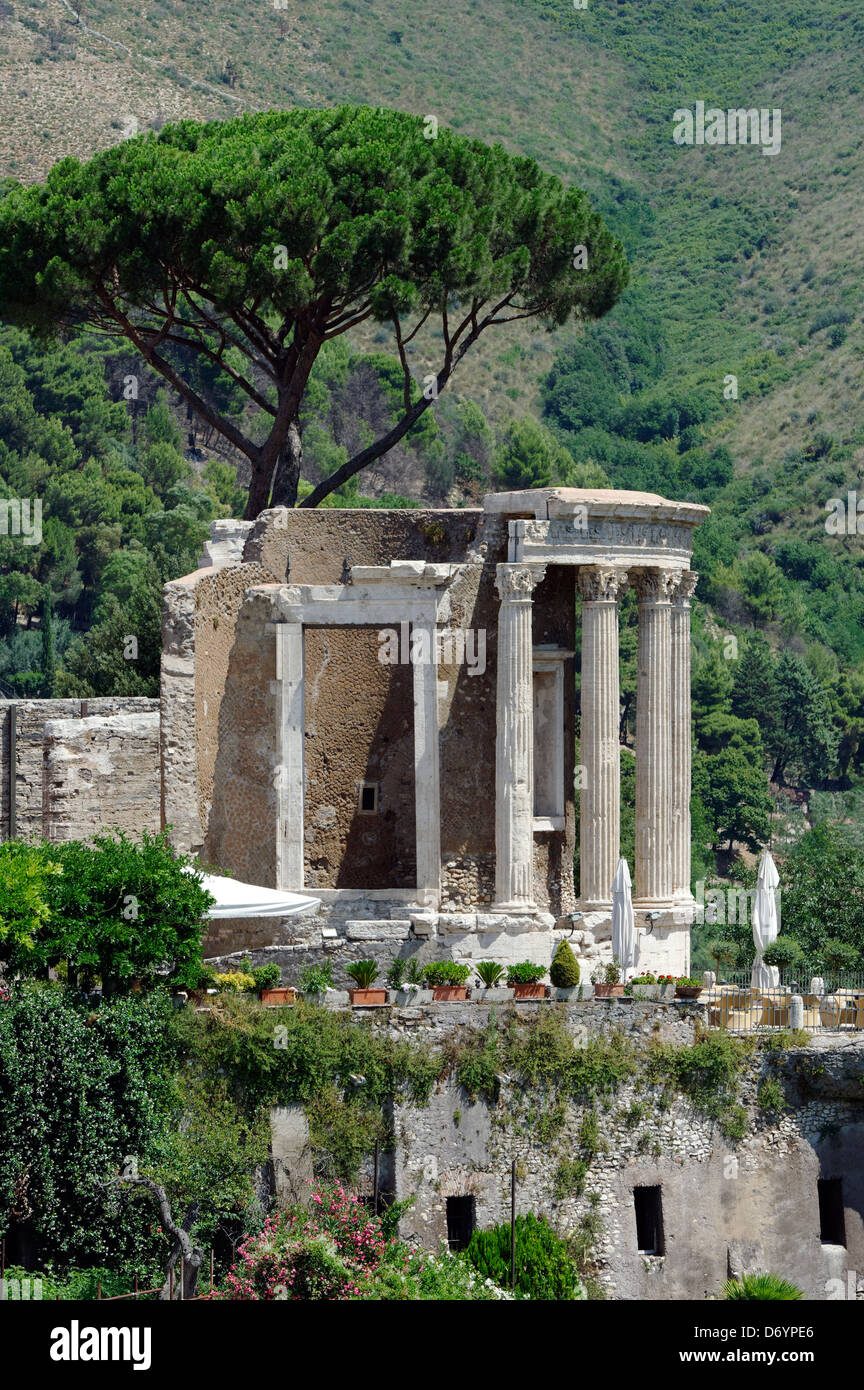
(743,266)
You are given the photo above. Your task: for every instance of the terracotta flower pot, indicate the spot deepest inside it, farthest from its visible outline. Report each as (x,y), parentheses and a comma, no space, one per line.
(443,993)
(361,998)
(279,995)
(609,991)
(688,991)
(528,990)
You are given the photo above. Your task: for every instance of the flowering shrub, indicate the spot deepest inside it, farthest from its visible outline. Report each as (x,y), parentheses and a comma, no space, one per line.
(325,1251)
(334,1250)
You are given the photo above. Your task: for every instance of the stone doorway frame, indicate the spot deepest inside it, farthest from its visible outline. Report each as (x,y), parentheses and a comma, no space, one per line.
(377,596)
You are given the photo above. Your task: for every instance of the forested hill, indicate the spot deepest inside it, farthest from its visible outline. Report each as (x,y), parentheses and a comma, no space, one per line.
(730,372)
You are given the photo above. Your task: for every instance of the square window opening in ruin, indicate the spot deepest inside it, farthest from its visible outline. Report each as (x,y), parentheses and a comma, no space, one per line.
(461,1221)
(367,798)
(832,1216)
(648,1202)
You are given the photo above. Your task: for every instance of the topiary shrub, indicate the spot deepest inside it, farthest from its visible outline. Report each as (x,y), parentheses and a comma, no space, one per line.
(564,970)
(786,953)
(544,1269)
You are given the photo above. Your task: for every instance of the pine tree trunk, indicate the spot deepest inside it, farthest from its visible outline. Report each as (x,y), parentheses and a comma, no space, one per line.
(286,476)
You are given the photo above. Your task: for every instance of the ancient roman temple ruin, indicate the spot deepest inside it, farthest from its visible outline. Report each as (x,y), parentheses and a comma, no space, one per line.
(379,707)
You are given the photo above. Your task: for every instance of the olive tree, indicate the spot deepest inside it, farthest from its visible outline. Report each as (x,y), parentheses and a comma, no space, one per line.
(247,244)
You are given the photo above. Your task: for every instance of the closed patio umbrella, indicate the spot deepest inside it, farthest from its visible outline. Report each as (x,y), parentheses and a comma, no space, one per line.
(766,924)
(623,922)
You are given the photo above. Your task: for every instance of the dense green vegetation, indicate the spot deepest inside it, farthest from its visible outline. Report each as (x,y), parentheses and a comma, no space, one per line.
(114,912)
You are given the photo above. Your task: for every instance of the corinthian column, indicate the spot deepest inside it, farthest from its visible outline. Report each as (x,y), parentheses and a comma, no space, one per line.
(600,714)
(653,877)
(514,746)
(680,621)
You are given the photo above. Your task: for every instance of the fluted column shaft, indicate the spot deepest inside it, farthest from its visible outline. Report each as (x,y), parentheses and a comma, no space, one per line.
(681,738)
(514,746)
(653,876)
(599,755)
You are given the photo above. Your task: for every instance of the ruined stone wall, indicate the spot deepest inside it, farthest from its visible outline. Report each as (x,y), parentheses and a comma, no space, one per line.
(42,798)
(359,728)
(240,836)
(101,773)
(729,1207)
(199,616)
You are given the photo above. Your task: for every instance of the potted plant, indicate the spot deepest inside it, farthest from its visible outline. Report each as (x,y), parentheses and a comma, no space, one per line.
(405,979)
(564,972)
(315,980)
(524,979)
(643,986)
(365,973)
(491,976)
(268,983)
(687,987)
(607,981)
(666,987)
(447,980)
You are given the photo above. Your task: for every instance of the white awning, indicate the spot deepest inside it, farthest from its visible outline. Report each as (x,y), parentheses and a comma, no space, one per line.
(235,899)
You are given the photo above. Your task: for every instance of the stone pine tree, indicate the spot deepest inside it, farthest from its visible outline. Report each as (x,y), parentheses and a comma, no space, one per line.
(250,243)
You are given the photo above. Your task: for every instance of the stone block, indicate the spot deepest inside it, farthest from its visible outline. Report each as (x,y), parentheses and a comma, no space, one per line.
(457,922)
(380,930)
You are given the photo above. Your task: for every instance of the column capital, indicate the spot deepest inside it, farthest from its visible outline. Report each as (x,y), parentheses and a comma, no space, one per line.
(684,588)
(655,585)
(601,583)
(516,582)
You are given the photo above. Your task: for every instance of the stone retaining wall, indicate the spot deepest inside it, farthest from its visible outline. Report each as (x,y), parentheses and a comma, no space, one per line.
(115,731)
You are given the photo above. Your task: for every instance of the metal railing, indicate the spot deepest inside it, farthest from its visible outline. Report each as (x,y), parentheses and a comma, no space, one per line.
(738,1008)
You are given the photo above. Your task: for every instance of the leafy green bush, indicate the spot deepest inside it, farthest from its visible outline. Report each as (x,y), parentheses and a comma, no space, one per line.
(266,976)
(445,972)
(564,970)
(234,982)
(524,972)
(489,972)
(762,1286)
(838,956)
(544,1269)
(118,908)
(317,979)
(364,973)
